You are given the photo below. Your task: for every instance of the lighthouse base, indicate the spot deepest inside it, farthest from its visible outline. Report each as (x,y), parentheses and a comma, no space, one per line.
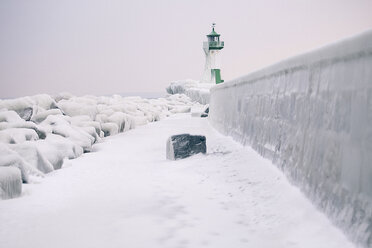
(216,76)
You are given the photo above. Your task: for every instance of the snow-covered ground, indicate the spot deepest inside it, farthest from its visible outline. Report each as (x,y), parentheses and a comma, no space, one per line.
(126,194)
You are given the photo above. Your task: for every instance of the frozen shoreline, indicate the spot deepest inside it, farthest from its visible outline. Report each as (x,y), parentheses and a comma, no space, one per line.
(38,134)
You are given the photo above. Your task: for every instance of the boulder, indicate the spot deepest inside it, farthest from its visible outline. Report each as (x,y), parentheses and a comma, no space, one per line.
(25,113)
(10,182)
(185,145)
(205,112)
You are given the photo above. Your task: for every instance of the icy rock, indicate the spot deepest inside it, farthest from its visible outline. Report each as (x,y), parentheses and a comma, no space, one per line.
(197,110)
(76,135)
(8,157)
(30,152)
(26,113)
(6,138)
(44,101)
(110,128)
(95,124)
(41,116)
(206,110)
(185,145)
(63,96)
(180,109)
(180,87)
(56,148)
(9,116)
(24,124)
(120,119)
(17,135)
(195,90)
(61,125)
(10,182)
(18,105)
(78,107)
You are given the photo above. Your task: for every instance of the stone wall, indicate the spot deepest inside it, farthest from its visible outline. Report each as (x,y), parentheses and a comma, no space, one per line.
(312,116)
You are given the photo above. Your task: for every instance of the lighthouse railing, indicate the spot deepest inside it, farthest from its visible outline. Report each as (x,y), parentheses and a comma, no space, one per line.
(214,44)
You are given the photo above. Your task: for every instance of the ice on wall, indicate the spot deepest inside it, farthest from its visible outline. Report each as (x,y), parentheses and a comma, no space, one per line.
(197,91)
(38,133)
(10,182)
(312,115)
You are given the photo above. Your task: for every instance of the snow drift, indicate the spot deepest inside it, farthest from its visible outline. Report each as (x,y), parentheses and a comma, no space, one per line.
(312,116)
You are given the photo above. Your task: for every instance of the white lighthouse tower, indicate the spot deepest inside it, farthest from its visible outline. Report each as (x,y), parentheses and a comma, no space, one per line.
(212,47)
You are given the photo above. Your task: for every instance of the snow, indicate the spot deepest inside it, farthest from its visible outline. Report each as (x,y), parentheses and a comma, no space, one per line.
(10,182)
(127,194)
(311,115)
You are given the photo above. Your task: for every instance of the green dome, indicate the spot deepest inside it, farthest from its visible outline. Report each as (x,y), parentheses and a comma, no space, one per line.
(213,34)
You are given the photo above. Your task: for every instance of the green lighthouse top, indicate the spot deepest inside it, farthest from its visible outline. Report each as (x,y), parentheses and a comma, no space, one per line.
(213,42)
(213,33)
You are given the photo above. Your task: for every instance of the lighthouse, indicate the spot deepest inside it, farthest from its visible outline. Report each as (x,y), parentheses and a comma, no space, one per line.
(212,48)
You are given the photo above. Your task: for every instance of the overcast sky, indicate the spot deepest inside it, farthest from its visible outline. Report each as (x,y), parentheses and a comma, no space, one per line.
(104,47)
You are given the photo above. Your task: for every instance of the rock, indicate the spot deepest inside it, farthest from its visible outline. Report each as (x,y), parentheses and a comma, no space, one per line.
(206,110)
(29,152)
(185,145)
(110,128)
(25,113)
(10,182)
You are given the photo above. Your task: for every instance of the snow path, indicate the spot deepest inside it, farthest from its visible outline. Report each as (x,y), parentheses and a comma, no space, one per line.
(126,194)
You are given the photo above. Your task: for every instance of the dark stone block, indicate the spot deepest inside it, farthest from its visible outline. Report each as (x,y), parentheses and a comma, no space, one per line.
(185,145)
(206,110)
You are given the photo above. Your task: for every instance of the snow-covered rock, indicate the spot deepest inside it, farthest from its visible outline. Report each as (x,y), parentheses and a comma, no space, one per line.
(8,157)
(10,182)
(197,91)
(17,135)
(42,115)
(56,148)
(9,116)
(30,153)
(78,106)
(110,128)
(27,106)
(24,124)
